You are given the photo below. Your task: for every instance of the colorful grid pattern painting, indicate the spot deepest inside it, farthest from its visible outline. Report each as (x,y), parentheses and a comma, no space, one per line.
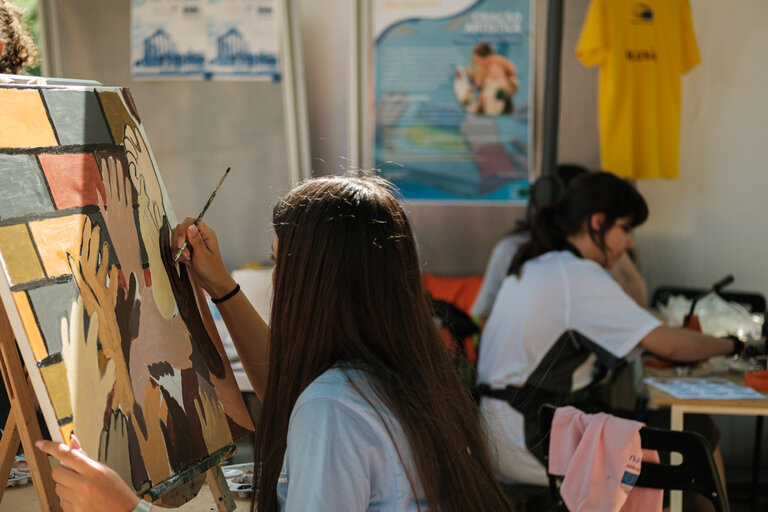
(117,348)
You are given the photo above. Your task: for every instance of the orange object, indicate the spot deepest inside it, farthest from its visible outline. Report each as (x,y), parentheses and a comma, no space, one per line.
(692,322)
(460,291)
(757,380)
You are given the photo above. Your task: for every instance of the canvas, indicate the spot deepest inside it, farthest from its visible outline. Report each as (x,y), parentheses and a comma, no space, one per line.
(118,350)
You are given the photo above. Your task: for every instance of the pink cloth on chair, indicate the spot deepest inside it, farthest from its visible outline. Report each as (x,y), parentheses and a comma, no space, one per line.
(599,455)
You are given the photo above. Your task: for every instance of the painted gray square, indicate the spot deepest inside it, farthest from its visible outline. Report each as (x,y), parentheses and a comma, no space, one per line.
(52,303)
(77,117)
(23,190)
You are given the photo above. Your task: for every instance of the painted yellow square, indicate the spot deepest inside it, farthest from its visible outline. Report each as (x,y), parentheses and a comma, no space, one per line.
(117,114)
(19,257)
(24,123)
(55,238)
(55,378)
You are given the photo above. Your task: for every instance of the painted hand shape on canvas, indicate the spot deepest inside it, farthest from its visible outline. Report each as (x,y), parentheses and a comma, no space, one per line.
(110,330)
(117,209)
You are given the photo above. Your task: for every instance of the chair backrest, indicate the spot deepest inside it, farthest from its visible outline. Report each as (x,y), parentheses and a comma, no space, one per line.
(697,472)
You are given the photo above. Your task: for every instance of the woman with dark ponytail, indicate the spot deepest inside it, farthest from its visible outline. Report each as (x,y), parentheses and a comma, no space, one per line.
(599,192)
(560,323)
(544,191)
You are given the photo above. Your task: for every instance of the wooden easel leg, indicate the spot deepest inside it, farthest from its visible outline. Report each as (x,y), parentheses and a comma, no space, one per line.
(9,444)
(219,489)
(24,414)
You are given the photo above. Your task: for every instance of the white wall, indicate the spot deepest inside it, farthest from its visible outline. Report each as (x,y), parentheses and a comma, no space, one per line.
(710,222)
(325,36)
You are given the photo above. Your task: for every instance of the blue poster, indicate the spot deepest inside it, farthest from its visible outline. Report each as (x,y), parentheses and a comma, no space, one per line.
(165,39)
(452,98)
(205,39)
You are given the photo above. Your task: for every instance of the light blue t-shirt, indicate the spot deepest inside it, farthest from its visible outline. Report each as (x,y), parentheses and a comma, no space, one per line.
(340,456)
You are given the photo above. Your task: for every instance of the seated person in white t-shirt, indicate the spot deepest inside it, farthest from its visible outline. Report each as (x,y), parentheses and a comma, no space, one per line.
(560,323)
(543,191)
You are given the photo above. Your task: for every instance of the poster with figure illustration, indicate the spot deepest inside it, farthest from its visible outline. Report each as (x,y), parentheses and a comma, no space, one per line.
(452,106)
(117,348)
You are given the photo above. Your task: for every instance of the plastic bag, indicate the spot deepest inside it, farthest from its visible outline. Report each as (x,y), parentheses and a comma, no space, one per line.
(717,316)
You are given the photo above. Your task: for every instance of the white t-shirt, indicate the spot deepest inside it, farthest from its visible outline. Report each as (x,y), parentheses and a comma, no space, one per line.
(551,329)
(496,271)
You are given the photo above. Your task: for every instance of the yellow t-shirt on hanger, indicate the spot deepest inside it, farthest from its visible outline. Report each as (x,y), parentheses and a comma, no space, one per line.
(642,48)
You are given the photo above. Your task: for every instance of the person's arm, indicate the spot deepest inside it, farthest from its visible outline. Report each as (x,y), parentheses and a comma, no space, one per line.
(85,485)
(509,68)
(248,330)
(625,273)
(684,344)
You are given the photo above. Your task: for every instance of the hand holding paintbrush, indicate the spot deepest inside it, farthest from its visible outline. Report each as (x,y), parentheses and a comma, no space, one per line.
(200,217)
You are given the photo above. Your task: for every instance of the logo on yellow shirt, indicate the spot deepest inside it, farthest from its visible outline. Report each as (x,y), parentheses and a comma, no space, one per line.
(641,55)
(642,13)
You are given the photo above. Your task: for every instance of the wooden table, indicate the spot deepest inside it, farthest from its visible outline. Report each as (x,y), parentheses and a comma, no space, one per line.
(679,407)
(23,499)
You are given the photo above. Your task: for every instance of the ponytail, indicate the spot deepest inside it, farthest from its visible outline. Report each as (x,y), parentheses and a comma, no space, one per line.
(546,235)
(587,194)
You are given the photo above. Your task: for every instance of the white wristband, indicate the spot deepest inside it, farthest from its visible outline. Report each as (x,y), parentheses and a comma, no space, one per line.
(143,506)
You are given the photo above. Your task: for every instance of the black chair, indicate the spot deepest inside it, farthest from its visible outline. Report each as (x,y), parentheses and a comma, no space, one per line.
(696,473)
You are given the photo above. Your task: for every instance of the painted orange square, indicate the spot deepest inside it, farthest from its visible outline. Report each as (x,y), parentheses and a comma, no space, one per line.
(19,257)
(74,179)
(54,239)
(25,123)
(31,327)
(66,432)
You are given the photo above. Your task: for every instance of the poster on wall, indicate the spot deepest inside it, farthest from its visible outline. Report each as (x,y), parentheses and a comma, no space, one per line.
(204,39)
(452,98)
(243,39)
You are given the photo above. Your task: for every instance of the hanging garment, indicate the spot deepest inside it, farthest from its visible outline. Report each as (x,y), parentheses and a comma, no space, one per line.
(600,457)
(642,48)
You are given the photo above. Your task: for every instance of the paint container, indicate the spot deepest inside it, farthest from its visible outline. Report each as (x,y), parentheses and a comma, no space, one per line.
(239,478)
(17,478)
(244,490)
(233,474)
(240,490)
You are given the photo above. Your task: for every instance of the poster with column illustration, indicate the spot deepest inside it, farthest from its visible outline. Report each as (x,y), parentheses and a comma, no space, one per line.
(206,39)
(451,98)
(117,348)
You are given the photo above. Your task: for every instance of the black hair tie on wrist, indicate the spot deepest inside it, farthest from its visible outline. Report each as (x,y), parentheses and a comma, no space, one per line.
(227,296)
(738,345)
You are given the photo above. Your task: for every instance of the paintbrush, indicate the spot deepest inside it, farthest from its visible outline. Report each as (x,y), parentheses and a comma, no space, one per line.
(200,217)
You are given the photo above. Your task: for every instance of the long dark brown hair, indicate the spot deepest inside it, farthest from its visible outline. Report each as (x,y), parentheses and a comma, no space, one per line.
(347,288)
(586,194)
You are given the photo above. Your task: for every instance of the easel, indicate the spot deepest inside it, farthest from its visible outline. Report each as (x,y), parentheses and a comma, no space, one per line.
(22,423)
(22,426)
